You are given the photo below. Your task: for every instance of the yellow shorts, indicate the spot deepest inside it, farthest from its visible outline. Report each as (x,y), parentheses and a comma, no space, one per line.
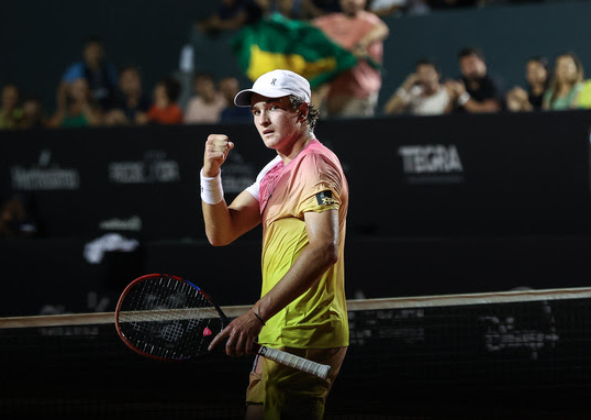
(287,393)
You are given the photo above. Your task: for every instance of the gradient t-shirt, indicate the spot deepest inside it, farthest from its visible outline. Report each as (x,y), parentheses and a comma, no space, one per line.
(312,181)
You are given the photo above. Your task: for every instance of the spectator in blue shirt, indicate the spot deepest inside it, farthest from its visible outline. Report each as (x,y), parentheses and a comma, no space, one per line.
(229,87)
(99,73)
(131,104)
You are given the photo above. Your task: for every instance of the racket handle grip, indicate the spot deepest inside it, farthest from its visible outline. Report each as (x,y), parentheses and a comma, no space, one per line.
(295,362)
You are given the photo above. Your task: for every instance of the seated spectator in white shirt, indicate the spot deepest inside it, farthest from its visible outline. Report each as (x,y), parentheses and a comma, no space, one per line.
(421,93)
(205,107)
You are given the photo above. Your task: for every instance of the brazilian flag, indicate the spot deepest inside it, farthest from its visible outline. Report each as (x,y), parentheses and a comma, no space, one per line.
(280,43)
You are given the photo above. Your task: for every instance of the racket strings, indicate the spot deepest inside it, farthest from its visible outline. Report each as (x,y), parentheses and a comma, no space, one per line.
(168,318)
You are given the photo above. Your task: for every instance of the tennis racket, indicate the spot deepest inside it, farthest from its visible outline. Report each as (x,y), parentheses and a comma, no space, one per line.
(168,318)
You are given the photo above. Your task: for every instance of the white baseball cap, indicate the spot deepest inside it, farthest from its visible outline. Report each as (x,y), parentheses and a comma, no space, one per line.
(276,84)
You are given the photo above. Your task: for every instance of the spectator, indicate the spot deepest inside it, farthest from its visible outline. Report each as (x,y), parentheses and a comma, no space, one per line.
(15,221)
(33,114)
(477,91)
(100,74)
(585,96)
(537,77)
(131,104)
(10,113)
(354,93)
(233,15)
(165,109)
(207,105)
(229,86)
(79,110)
(566,84)
(421,93)
(312,9)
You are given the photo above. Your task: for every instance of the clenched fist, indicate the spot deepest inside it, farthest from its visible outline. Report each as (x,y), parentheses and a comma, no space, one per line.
(217,147)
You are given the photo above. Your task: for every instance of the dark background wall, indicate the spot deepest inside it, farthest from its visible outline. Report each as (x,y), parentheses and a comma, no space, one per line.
(504,174)
(38,40)
(457,204)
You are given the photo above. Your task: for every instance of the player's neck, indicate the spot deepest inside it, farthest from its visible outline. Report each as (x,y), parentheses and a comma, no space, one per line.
(299,145)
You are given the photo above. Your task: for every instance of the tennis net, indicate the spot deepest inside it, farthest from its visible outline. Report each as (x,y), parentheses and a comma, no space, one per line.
(494,355)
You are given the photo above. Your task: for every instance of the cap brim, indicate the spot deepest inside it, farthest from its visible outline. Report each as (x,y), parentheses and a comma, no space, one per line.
(243,98)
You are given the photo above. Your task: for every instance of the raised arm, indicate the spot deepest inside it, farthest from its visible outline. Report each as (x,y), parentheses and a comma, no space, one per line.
(488,105)
(460,96)
(400,100)
(378,34)
(317,257)
(223,223)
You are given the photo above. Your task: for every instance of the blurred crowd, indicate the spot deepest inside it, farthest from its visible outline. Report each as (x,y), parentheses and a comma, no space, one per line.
(556,87)
(94,92)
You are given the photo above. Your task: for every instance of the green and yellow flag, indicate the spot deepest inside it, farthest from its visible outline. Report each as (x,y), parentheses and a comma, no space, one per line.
(279,43)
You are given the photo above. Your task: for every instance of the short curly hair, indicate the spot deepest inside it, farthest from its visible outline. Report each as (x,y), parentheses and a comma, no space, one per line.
(313,113)
(172,87)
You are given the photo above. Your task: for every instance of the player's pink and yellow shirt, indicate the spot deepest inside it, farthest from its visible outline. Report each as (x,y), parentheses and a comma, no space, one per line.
(312,181)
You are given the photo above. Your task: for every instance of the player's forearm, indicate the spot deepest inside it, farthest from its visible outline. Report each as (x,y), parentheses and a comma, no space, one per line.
(395,105)
(490,105)
(304,273)
(218,223)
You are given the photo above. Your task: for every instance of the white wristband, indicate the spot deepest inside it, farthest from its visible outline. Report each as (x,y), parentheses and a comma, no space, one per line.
(464,98)
(211,189)
(403,94)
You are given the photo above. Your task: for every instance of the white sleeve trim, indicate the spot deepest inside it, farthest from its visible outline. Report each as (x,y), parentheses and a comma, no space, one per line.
(254,189)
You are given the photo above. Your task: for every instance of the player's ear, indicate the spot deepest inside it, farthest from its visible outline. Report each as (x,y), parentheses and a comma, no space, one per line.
(304,110)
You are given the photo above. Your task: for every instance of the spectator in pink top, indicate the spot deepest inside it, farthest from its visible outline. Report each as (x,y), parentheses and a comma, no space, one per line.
(354,93)
(205,107)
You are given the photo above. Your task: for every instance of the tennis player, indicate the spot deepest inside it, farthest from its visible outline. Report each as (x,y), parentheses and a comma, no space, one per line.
(301,198)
